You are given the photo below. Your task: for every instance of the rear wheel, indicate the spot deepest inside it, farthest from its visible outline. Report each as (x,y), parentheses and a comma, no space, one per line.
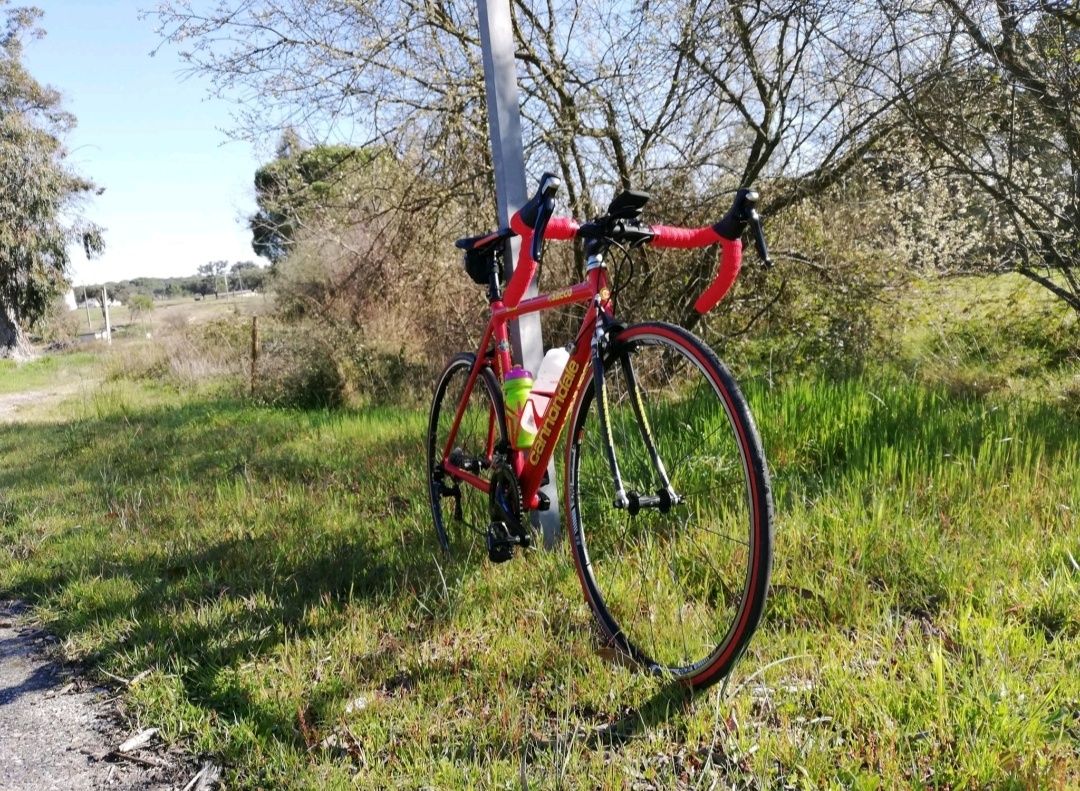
(460,510)
(678,583)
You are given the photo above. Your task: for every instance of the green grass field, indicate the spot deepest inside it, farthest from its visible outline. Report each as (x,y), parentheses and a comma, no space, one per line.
(167,315)
(272,579)
(47,371)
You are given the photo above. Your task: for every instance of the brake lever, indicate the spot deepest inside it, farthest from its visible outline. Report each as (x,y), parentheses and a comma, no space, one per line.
(759,239)
(748,199)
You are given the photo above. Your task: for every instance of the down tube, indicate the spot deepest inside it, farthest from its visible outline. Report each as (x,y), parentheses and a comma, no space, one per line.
(574,377)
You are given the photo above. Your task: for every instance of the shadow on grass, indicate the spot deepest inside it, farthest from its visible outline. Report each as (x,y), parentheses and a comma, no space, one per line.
(201,537)
(670,700)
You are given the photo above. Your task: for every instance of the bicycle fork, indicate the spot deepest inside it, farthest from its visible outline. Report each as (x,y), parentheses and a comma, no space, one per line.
(632,501)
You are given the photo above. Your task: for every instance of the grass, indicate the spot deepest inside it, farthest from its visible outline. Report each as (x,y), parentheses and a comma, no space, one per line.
(42,372)
(276,573)
(168,315)
(993,334)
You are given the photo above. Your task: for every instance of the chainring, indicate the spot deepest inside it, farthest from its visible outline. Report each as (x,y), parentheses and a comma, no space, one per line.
(505,501)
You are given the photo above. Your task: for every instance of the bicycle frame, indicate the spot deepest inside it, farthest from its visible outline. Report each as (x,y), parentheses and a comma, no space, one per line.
(531,464)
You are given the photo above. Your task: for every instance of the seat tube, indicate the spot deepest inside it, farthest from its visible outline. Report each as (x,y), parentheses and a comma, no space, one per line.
(502,340)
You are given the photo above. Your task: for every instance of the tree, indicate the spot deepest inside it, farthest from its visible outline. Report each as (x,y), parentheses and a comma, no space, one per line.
(665,93)
(248,275)
(38,192)
(684,98)
(220,269)
(992,94)
(968,104)
(140,305)
(213,273)
(295,188)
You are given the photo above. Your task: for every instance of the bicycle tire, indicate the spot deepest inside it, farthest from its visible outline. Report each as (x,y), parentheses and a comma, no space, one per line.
(462,533)
(676,615)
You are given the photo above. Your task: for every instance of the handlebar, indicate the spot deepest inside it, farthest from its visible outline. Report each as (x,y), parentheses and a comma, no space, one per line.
(534,223)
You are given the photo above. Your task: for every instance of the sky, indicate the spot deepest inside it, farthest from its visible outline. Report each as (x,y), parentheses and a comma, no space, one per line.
(177,190)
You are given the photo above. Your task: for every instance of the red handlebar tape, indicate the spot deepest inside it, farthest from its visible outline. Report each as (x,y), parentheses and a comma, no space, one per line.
(730,263)
(730,258)
(561,228)
(565,228)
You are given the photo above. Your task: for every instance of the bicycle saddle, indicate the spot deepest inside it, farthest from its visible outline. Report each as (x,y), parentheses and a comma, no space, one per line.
(483,242)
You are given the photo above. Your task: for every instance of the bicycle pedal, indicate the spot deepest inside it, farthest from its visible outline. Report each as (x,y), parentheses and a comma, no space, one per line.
(500,544)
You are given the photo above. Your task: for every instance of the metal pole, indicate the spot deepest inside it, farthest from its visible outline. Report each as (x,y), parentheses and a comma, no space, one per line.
(504,124)
(105,308)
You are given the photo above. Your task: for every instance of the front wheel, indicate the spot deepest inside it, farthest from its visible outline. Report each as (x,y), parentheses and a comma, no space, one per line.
(677,570)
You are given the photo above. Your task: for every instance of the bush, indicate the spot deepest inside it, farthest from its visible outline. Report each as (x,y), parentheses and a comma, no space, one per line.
(59,329)
(140,306)
(194,355)
(302,365)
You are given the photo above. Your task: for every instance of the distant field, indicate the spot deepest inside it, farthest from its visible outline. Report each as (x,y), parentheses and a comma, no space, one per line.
(276,573)
(169,313)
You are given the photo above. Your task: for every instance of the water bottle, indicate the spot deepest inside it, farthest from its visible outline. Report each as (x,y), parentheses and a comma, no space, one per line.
(516,386)
(543,389)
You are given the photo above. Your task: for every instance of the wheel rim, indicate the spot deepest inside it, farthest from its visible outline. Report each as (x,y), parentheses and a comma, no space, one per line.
(462,537)
(669,587)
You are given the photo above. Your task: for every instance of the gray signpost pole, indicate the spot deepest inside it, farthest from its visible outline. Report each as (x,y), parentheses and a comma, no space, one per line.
(504,124)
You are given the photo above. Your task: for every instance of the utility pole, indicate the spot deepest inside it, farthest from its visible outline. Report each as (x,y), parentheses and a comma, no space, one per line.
(105,310)
(507,154)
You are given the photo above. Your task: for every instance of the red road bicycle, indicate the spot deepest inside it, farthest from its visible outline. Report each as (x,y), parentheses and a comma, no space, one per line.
(667,492)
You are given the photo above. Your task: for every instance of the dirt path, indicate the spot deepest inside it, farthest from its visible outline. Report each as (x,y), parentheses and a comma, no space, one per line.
(58,732)
(12,403)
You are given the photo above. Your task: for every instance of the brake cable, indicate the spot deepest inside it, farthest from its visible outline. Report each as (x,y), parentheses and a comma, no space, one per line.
(619,280)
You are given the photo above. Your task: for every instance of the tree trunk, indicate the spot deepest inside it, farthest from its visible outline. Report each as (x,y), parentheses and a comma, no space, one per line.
(13,342)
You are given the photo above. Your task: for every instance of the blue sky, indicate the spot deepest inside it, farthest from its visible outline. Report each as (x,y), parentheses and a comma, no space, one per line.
(177,191)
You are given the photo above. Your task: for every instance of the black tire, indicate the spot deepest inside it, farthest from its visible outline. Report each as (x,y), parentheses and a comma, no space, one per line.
(464,537)
(679,592)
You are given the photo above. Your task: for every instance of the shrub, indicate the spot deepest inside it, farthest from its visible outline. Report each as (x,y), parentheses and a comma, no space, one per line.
(304,365)
(140,306)
(59,328)
(194,355)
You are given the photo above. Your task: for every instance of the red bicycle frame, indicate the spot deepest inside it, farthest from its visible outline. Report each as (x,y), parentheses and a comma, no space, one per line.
(530,464)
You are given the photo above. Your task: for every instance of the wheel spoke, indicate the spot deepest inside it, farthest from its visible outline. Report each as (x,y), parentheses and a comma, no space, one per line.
(461,528)
(669,584)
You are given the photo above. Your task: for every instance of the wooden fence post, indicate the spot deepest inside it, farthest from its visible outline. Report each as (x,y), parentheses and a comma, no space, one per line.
(254,350)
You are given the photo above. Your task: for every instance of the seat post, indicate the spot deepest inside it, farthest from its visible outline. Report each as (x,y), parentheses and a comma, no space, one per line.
(494,271)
